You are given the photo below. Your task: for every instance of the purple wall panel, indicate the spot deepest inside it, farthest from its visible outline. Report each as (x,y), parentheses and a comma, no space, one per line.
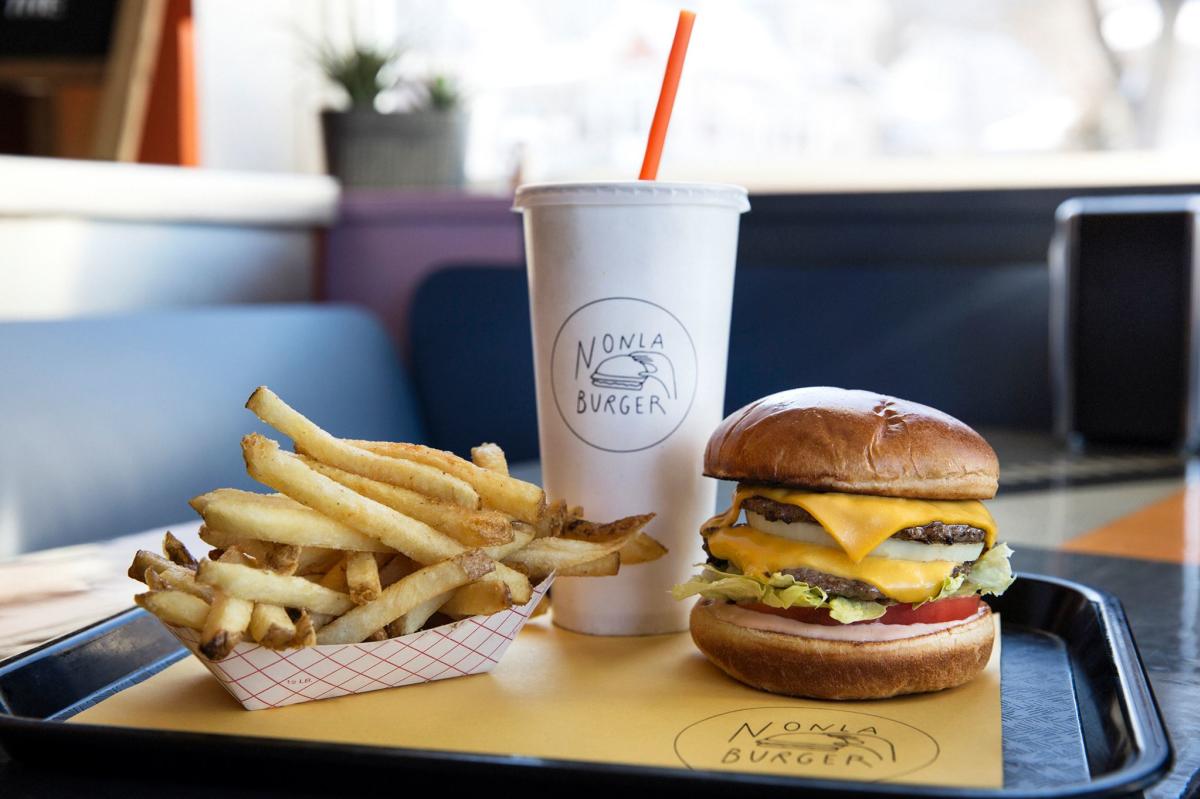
(384,243)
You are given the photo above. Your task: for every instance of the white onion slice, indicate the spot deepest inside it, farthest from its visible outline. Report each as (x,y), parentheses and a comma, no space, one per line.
(810,533)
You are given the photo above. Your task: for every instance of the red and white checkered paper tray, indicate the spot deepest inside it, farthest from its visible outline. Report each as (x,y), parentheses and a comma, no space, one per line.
(259,677)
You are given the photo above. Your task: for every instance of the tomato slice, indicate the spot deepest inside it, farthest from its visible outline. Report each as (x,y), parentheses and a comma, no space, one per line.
(951,609)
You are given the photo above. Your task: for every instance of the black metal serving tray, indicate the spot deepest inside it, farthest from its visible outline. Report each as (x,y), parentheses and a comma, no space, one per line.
(1078,713)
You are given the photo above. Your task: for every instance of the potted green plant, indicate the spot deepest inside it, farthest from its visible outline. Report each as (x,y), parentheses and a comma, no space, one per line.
(423,145)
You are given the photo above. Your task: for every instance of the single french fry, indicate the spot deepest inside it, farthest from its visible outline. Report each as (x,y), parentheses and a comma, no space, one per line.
(619,530)
(279,558)
(306,634)
(220,541)
(145,559)
(490,456)
(176,608)
(177,553)
(541,607)
(603,566)
(271,626)
(314,441)
(478,599)
(256,585)
(362,577)
(415,619)
(279,519)
(641,549)
(517,583)
(285,472)
(517,498)
(227,621)
(403,596)
(546,555)
(178,578)
(471,528)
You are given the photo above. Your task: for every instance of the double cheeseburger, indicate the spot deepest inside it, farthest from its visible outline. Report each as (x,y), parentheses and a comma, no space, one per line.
(853,558)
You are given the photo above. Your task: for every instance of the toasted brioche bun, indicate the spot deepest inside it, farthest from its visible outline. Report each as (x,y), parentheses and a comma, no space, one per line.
(824,669)
(857,442)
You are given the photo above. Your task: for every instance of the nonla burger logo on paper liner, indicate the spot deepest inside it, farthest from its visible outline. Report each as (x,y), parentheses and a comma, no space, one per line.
(623,372)
(807,742)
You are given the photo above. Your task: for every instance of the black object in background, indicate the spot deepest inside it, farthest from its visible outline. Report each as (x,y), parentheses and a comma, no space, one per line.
(56,28)
(1122,310)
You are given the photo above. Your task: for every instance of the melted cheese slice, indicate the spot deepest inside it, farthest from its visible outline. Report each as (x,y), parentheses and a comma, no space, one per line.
(860,522)
(754,552)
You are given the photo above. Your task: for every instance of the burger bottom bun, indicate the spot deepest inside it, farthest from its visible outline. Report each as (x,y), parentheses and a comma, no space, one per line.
(824,669)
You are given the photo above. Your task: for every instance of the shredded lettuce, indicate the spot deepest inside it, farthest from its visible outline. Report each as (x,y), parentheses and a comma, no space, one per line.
(991,574)
(848,610)
(777,591)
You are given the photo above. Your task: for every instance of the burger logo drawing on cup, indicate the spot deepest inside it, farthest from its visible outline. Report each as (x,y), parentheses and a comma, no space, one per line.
(623,372)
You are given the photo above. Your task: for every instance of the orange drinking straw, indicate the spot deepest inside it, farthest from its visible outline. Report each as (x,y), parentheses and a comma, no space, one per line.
(666,97)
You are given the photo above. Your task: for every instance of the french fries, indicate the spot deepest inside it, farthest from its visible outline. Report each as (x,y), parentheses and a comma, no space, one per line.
(256,585)
(179,579)
(472,528)
(519,499)
(404,595)
(265,517)
(268,464)
(167,575)
(286,473)
(544,556)
(367,540)
(314,441)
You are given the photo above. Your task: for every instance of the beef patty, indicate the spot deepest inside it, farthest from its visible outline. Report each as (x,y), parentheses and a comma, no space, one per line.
(851,589)
(834,586)
(932,533)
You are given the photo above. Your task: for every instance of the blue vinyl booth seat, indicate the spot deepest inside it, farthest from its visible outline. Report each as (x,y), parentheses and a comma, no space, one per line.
(109,425)
(968,339)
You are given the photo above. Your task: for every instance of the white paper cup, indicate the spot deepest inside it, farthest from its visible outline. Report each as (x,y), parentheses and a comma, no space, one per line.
(630,288)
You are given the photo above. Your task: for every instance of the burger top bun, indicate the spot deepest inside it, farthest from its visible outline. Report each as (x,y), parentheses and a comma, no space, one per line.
(857,442)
